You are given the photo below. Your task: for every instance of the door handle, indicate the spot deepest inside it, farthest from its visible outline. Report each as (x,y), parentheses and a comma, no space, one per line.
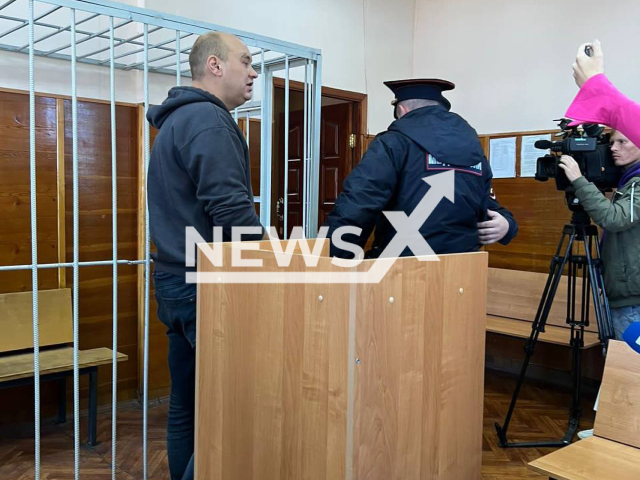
(280,209)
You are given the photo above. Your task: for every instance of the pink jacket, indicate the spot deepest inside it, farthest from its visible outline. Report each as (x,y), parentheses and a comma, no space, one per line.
(598,101)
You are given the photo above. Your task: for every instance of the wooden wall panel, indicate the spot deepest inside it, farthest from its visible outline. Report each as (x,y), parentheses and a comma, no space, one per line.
(254,150)
(62,193)
(95,227)
(15,209)
(367,141)
(159,377)
(94,155)
(541,213)
(95,303)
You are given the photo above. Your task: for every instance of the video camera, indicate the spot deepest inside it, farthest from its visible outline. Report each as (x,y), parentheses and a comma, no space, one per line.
(590,149)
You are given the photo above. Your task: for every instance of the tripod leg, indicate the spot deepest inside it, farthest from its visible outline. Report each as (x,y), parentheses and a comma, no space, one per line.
(577,342)
(555,274)
(575,412)
(600,300)
(592,283)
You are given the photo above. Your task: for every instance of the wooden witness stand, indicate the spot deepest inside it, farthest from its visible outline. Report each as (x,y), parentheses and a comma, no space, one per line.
(342,381)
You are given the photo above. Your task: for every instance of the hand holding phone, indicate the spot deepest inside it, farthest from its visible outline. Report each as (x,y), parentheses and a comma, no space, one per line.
(589,62)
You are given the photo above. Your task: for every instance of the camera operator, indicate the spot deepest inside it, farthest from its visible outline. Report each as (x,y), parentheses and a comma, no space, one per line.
(598,101)
(620,220)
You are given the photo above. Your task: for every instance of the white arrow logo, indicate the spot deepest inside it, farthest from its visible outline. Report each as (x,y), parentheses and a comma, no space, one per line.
(408,227)
(408,235)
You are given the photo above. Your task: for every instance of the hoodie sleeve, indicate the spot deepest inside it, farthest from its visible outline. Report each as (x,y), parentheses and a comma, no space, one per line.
(215,160)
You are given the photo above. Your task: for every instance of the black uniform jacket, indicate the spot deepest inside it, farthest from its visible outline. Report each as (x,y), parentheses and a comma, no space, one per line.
(425,142)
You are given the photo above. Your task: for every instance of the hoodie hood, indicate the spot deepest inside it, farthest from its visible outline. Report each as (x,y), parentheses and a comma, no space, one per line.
(445,135)
(177,97)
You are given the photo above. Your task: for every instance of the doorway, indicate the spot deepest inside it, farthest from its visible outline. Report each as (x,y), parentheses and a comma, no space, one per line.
(342,136)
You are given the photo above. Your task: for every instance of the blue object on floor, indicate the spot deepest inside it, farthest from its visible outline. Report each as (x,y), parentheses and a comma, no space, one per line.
(632,336)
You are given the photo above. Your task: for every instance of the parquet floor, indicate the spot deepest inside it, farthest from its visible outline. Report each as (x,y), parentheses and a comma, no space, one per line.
(541,414)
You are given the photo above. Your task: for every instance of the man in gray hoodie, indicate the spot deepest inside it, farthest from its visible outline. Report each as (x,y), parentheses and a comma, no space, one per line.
(200,177)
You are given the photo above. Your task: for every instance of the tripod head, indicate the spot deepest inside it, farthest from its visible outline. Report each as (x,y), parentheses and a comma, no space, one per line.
(579,217)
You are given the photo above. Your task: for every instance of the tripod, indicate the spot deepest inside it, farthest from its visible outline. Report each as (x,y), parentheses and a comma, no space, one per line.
(579,231)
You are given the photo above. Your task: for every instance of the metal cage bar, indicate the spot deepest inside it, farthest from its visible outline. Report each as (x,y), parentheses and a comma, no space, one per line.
(122,42)
(248,132)
(90,36)
(305,143)
(114,222)
(29,22)
(11,2)
(45,266)
(178,63)
(165,65)
(265,168)
(314,170)
(140,50)
(147,250)
(76,249)
(60,30)
(34,240)
(285,195)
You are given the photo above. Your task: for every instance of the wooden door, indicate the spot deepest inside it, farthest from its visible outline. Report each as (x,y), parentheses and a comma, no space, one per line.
(335,153)
(335,159)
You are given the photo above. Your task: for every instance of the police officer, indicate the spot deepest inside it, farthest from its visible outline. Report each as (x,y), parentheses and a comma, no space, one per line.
(425,139)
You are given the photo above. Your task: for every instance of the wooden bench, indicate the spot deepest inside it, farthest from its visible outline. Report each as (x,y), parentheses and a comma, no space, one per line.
(56,355)
(512,302)
(613,453)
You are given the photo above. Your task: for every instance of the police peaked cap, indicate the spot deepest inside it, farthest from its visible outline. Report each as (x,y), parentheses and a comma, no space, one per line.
(420,88)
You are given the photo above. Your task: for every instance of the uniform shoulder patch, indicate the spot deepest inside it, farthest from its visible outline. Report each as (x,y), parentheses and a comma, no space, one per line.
(433,164)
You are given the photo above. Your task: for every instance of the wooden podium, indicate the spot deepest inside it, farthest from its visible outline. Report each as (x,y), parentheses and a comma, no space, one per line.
(341,381)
